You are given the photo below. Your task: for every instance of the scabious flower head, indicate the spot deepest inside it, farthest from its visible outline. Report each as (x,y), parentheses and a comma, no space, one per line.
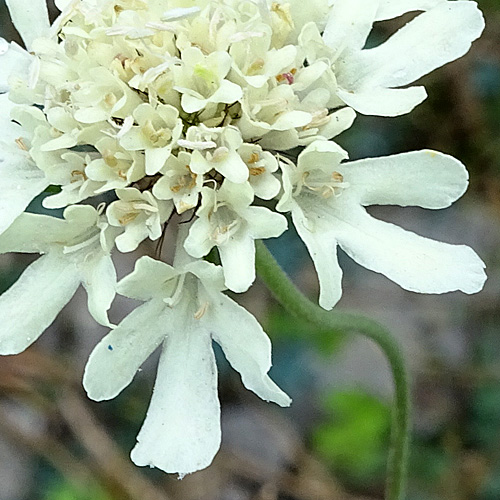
(174,111)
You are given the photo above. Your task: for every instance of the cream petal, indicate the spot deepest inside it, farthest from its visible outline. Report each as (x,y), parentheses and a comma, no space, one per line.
(321,244)
(349,24)
(30,18)
(431,40)
(31,304)
(33,233)
(155,159)
(415,263)
(21,181)
(148,279)
(233,168)
(427,179)
(181,433)
(389,9)
(237,257)
(13,61)
(246,346)
(198,242)
(263,223)
(114,362)
(132,238)
(99,280)
(382,101)
(340,121)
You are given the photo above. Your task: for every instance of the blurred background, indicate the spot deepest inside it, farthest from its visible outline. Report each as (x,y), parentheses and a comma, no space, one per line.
(332,443)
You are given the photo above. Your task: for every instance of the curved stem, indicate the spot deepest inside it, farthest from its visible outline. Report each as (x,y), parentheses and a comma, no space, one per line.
(297,304)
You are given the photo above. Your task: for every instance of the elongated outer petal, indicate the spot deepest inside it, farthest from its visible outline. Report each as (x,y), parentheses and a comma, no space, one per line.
(32,303)
(321,242)
(30,17)
(10,130)
(98,277)
(246,346)
(415,263)
(382,101)
(148,279)
(114,362)
(389,9)
(339,122)
(198,243)
(181,433)
(237,257)
(349,24)
(263,223)
(33,233)
(21,181)
(427,179)
(62,4)
(431,40)
(13,61)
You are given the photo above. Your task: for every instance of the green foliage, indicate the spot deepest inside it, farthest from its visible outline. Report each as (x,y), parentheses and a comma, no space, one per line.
(354,440)
(66,491)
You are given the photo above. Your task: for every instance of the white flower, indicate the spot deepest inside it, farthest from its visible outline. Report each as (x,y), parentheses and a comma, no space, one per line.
(179,183)
(156,132)
(140,214)
(326,199)
(370,79)
(216,148)
(15,61)
(269,109)
(20,179)
(115,167)
(184,310)
(261,165)
(75,251)
(201,80)
(227,220)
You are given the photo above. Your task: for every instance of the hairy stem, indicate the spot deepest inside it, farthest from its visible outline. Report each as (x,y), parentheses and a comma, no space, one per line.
(297,304)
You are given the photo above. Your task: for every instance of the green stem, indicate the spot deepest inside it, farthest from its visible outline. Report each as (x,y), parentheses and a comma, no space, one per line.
(297,304)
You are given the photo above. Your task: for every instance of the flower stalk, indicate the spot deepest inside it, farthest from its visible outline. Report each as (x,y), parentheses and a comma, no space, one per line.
(297,304)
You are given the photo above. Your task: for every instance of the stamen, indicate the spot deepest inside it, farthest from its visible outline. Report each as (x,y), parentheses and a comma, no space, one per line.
(20,142)
(201,311)
(79,246)
(172,301)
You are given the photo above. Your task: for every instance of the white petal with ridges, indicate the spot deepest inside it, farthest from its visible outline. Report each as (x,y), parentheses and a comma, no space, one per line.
(389,9)
(21,181)
(431,40)
(382,101)
(415,263)
(263,223)
(30,18)
(349,24)
(148,279)
(14,60)
(245,345)
(237,257)
(427,179)
(181,433)
(31,304)
(321,243)
(98,276)
(33,233)
(118,356)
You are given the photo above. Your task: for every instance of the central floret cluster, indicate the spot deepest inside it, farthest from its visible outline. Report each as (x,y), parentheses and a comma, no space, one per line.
(135,114)
(172,110)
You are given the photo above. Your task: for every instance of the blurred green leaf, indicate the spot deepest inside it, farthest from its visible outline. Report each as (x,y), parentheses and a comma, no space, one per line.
(354,440)
(66,491)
